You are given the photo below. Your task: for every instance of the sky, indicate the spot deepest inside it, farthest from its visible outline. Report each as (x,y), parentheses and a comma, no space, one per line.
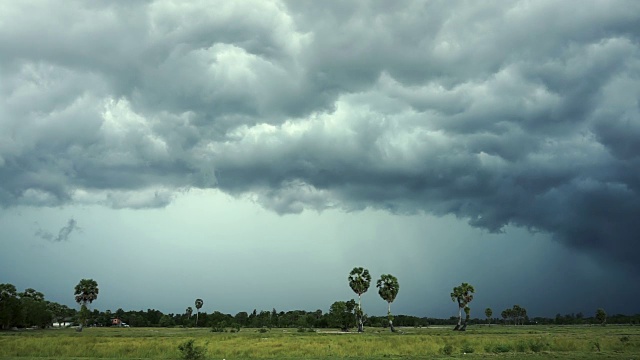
(252,153)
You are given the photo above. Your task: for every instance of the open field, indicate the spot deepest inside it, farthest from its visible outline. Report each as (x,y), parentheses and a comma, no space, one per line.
(478,342)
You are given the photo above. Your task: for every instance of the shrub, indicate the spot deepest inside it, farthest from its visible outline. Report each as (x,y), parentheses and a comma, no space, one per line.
(498,348)
(467,348)
(447,349)
(191,352)
(263,330)
(538,345)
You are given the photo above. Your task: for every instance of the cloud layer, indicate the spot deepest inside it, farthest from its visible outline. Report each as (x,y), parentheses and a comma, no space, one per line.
(523,113)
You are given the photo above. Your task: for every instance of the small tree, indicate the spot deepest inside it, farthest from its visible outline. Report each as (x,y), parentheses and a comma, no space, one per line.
(359,281)
(198,304)
(601,316)
(388,288)
(488,312)
(85,293)
(463,295)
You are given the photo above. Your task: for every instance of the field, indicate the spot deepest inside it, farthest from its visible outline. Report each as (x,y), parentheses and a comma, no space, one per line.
(478,342)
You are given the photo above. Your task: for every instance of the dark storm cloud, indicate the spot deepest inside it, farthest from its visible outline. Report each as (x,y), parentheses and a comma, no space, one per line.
(63,233)
(523,113)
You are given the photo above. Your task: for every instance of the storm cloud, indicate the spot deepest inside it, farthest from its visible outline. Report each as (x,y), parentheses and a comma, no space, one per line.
(502,113)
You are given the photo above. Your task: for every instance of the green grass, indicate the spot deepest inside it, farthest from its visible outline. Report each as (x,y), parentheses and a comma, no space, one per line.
(478,342)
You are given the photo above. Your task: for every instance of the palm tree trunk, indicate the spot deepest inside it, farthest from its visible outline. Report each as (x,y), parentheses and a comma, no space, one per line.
(360,314)
(389,318)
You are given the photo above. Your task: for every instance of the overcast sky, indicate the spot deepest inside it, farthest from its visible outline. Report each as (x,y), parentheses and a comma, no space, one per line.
(252,153)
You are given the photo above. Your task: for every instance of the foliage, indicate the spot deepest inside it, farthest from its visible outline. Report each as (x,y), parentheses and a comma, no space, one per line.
(198,304)
(86,291)
(359,281)
(517,314)
(601,316)
(463,295)
(388,288)
(191,352)
(488,313)
(341,314)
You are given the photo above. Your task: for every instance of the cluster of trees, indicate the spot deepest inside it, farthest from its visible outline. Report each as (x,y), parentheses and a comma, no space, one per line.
(29,308)
(359,281)
(516,315)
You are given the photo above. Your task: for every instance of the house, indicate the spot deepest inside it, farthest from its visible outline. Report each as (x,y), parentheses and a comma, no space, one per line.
(119,323)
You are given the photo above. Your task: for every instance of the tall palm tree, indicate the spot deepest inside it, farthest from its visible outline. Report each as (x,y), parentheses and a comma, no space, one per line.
(359,281)
(188,312)
(388,288)
(199,304)
(463,295)
(86,292)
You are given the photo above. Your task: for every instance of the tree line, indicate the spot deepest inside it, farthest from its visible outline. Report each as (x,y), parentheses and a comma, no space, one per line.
(29,308)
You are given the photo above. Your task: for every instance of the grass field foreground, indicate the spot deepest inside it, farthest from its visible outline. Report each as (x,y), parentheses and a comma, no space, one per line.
(535,342)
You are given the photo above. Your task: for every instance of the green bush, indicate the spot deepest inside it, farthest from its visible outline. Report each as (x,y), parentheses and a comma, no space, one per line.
(447,349)
(538,345)
(467,348)
(498,348)
(191,352)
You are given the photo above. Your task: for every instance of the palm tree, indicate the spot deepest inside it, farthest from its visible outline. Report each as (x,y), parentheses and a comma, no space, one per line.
(462,294)
(86,292)
(359,281)
(388,290)
(488,312)
(199,304)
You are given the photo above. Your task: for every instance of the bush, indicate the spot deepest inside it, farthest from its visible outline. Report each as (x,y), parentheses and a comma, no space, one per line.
(263,330)
(538,345)
(499,348)
(467,348)
(191,352)
(447,349)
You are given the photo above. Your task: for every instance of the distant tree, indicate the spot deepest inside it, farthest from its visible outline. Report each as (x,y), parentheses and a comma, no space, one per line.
(388,288)
(198,304)
(188,312)
(34,309)
(488,312)
(359,281)
(505,315)
(601,316)
(341,314)
(463,295)
(85,293)
(166,321)
(9,306)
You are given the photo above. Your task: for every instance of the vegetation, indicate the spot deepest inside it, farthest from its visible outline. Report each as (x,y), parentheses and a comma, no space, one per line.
(388,288)
(516,315)
(85,293)
(463,295)
(488,312)
(198,304)
(359,281)
(601,316)
(479,342)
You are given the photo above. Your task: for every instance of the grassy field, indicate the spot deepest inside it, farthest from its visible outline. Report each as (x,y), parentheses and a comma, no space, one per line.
(478,342)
